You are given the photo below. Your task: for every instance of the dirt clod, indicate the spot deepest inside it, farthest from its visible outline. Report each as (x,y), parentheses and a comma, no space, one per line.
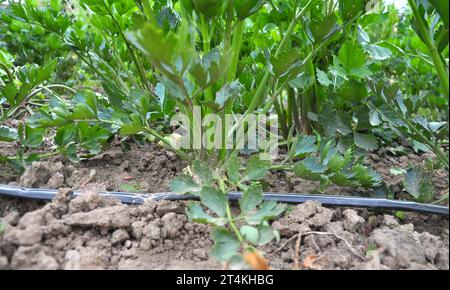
(119,236)
(352,221)
(397,246)
(73,234)
(167,206)
(43,174)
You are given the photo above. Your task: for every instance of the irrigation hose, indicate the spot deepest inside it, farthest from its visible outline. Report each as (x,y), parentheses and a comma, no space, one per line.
(293,198)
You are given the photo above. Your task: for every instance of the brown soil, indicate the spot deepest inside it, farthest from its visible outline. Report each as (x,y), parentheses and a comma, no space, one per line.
(90,232)
(147,169)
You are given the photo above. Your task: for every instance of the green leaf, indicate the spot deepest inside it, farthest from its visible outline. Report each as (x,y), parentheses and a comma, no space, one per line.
(131,126)
(203,171)
(442,8)
(160,91)
(256,168)
(226,246)
(377,52)
(435,127)
(9,92)
(419,185)
(188,5)
(418,147)
(304,145)
(6,58)
(310,168)
(228,92)
(172,89)
(209,8)
(82,112)
(397,171)
(86,106)
(214,199)
(368,178)
(267,211)
(92,138)
(250,233)
(336,163)
(400,215)
(344,179)
(323,78)
(170,52)
(312,164)
(374,118)
(349,9)
(71,152)
(252,197)
(343,123)
(233,167)
(365,141)
(389,114)
(323,28)
(353,59)
(184,184)
(196,214)
(8,134)
(303,81)
(285,62)
(65,135)
(33,136)
(114,93)
(246,8)
(266,234)
(209,68)
(2,228)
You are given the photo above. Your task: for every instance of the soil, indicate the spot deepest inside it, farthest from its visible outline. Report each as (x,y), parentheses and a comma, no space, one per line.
(90,232)
(143,169)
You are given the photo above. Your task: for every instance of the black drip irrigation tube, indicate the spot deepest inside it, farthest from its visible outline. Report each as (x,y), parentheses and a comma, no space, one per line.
(293,198)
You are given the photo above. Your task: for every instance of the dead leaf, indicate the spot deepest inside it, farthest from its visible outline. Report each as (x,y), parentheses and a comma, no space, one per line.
(309,263)
(256,261)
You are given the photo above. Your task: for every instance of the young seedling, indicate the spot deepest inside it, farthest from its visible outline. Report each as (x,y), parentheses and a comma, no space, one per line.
(236,234)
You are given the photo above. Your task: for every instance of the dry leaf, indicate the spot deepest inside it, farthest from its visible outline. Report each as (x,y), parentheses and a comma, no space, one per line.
(309,261)
(256,261)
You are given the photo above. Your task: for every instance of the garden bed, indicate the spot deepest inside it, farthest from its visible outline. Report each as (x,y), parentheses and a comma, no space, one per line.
(90,232)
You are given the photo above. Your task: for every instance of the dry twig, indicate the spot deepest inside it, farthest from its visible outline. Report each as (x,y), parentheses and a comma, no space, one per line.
(298,243)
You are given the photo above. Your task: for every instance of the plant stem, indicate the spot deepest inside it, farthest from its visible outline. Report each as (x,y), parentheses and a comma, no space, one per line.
(40,156)
(289,110)
(282,117)
(433,147)
(61,87)
(308,58)
(8,72)
(167,142)
(282,167)
(230,214)
(228,26)
(233,225)
(427,39)
(136,62)
(209,96)
(442,199)
(262,86)
(238,37)
(296,113)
